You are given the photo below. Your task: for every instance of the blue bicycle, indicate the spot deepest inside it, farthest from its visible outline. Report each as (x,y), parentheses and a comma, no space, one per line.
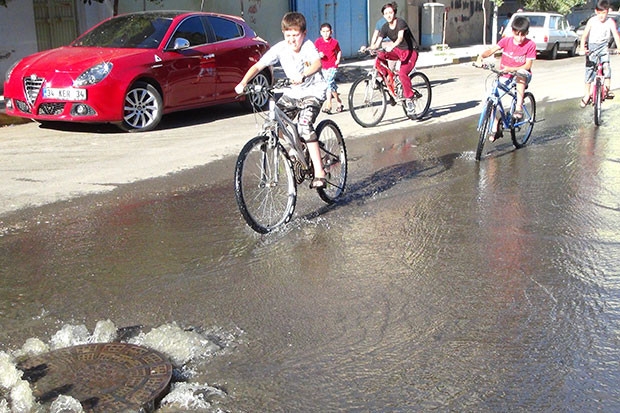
(494,114)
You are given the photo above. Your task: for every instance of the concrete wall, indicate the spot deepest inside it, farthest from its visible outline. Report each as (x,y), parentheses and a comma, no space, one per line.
(18,39)
(464,24)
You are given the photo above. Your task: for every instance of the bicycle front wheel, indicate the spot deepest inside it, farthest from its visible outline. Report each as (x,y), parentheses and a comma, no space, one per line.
(265,186)
(521,129)
(485,125)
(334,158)
(598,99)
(367,101)
(422,95)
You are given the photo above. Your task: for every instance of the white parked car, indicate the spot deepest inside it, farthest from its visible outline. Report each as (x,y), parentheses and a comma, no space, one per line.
(551,33)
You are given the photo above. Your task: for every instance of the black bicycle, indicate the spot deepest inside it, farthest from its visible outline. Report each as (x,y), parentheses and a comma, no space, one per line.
(271,165)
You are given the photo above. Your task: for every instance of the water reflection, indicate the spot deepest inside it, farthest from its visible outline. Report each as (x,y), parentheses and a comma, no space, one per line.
(440,283)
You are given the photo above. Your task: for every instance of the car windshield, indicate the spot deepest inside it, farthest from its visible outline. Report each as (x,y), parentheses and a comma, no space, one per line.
(130,31)
(536,21)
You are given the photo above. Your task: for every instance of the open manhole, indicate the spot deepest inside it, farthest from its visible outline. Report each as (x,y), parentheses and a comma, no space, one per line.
(104,377)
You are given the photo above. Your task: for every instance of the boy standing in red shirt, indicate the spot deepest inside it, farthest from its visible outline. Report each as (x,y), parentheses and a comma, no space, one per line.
(329,50)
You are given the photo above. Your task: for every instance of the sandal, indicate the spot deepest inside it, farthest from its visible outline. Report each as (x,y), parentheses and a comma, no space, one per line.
(340,108)
(610,94)
(493,136)
(584,102)
(318,183)
(327,110)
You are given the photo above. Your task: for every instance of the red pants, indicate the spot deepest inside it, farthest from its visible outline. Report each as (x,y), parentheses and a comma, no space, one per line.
(407,59)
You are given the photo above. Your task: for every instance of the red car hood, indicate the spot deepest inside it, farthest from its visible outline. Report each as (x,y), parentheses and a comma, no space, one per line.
(73,59)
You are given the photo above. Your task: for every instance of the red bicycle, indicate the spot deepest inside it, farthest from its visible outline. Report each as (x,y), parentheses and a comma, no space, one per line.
(598,90)
(370,94)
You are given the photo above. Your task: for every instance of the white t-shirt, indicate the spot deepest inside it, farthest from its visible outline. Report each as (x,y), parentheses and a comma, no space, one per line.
(600,32)
(294,64)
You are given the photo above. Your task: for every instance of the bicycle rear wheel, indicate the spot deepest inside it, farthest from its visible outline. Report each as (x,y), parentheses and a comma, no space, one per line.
(367,101)
(334,158)
(265,187)
(422,95)
(521,130)
(598,99)
(485,127)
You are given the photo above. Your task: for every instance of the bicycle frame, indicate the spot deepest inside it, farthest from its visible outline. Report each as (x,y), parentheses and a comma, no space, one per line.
(278,125)
(499,91)
(599,79)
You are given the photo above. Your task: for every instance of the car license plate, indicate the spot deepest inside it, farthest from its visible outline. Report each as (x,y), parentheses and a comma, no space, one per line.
(64,93)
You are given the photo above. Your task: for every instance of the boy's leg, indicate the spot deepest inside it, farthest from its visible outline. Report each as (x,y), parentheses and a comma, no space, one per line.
(310,108)
(408,60)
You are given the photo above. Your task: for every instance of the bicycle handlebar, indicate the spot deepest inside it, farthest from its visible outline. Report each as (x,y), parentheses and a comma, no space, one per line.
(370,52)
(278,84)
(491,67)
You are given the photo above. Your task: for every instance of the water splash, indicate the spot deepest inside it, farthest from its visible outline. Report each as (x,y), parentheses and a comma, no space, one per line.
(183,346)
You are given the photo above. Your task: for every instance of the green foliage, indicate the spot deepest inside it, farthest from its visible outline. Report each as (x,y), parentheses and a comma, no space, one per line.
(560,6)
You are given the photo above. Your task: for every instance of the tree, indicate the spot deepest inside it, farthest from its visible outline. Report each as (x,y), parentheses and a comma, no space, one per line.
(114,7)
(560,6)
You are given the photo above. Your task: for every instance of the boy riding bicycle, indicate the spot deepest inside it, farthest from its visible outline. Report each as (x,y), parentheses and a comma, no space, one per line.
(518,55)
(301,63)
(403,47)
(595,40)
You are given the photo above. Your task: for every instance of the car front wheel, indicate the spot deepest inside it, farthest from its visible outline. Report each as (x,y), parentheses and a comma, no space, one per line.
(143,107)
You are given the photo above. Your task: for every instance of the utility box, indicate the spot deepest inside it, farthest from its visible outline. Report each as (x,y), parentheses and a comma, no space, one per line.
(432,24)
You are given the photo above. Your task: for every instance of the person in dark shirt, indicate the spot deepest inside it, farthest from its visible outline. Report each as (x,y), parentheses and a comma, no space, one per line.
(403,48)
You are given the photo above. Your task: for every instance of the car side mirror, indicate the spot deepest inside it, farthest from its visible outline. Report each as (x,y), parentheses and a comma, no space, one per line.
(180,43)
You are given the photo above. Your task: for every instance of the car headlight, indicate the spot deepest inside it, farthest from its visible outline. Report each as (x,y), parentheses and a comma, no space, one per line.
(93,75)
(8,72)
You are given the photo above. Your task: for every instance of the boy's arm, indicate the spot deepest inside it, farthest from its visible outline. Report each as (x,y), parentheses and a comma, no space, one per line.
(314,67)
(526,66)
(615,33)
(338,57)
(584,38)
(249,75)
(489,52)
(399,40)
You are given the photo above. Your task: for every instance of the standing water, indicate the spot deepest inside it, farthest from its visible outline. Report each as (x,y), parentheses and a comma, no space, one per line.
(440,283)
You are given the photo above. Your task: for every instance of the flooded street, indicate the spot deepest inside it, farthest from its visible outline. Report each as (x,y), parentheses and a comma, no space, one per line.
(439,283)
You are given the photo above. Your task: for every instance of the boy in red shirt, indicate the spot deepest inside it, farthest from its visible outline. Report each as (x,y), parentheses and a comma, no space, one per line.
(329,50)
(518,54)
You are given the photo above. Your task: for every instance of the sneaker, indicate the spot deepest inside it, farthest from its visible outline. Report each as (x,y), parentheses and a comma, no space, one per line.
(410,106)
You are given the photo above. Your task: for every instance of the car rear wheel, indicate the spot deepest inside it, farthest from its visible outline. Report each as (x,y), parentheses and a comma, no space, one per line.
(553,54)
(143,108)
(573,50)
(258,100)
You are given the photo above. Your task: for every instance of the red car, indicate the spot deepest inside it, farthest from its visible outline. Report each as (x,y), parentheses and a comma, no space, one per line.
(132,69)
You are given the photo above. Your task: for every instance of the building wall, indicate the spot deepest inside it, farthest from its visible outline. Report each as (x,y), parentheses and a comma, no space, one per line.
(18,40)
(464,23)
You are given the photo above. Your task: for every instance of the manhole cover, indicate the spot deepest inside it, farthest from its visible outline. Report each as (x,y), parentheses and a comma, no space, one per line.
(104,377)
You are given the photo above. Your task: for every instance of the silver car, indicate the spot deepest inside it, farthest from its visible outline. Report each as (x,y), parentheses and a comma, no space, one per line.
(551,33)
